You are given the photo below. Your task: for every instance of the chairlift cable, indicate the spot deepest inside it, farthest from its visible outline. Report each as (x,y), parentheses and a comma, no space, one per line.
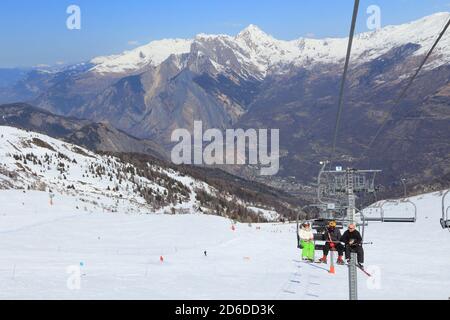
(347,61)
(403,93)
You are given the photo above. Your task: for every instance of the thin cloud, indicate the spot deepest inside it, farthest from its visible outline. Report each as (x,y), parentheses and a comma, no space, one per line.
(133,43)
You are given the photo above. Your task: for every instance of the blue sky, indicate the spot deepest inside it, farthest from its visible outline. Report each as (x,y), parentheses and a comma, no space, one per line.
(34,32)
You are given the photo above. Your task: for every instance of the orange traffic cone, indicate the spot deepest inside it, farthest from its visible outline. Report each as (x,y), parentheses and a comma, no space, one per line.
(332,269)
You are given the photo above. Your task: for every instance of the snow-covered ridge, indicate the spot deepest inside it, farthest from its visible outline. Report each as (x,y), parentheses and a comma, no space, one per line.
(33,161)
(151,54)
(261,53)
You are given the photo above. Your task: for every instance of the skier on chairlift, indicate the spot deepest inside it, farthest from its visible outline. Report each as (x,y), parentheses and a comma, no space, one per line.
(306,242)
(353,243)
(332,238)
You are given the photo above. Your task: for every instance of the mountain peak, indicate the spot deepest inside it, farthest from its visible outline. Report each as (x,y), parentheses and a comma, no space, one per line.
(252,32)
(252,28)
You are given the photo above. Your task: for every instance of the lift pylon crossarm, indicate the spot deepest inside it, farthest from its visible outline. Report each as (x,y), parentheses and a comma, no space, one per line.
(335,182)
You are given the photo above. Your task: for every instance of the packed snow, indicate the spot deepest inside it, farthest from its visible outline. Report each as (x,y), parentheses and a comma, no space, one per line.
(88,243)
(117,255)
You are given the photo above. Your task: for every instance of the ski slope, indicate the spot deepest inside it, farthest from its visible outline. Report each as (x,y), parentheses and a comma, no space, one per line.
(120,255)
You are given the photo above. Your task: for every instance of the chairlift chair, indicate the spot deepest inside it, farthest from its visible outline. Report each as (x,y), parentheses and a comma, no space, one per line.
(373,214)
(409,218)
(320,226)
(445,220)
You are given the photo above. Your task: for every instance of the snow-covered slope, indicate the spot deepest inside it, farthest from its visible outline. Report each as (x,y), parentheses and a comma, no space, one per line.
(32,161)
(117,256)
(261,53)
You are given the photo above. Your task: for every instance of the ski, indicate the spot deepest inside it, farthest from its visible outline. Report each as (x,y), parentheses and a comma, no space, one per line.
(362,269)
(319,261)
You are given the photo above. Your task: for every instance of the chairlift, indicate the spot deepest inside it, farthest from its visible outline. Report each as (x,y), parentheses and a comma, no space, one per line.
(409,216)
(336,184)
(371,186)
(320,225)
(445,220)
(332,197)
(374,213)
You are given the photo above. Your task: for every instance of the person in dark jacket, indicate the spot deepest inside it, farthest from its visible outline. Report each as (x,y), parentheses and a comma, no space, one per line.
(332,238)
(353,243)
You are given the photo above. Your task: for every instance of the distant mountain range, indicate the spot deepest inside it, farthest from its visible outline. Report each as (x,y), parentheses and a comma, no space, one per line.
(253,80)
(92,135)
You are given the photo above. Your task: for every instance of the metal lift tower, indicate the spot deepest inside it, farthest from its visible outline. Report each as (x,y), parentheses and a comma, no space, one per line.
(347,182)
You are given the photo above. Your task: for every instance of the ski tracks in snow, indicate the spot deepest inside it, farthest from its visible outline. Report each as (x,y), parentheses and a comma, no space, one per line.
(38,224)
(302,284)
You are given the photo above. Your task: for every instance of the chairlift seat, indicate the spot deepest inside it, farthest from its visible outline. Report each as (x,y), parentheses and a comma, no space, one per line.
(319,246)
(406,220)
(319,237)
(373,219)
(321,224)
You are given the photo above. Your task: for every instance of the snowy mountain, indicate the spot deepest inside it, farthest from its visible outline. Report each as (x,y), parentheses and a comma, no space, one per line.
(262,54)
(253,80)
(152,54)
(32,161)
(47,249)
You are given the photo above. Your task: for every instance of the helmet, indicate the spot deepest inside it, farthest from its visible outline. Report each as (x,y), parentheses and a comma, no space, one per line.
(332,224)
